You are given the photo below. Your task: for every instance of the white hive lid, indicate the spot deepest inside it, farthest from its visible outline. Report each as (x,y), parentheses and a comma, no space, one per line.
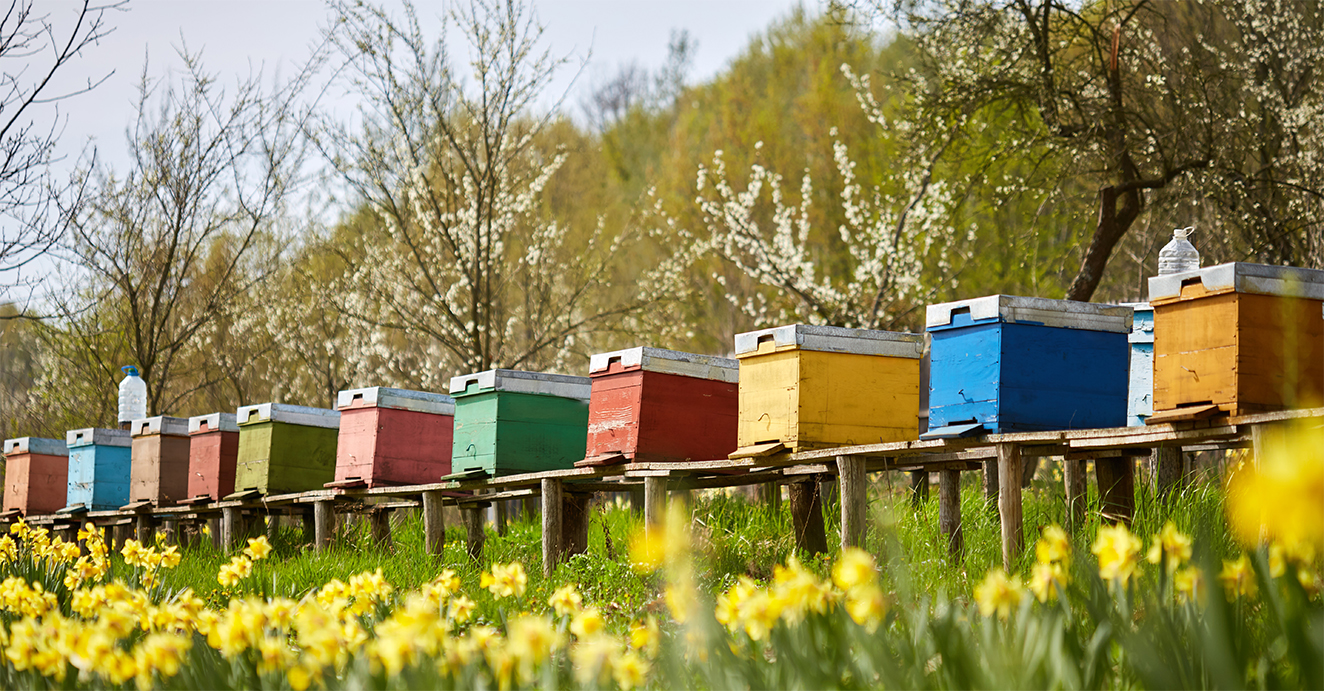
(668,362)
(1243,277)
(516,381)
(833,339)
(1013,309)
(37,445)
(290,414)
(215,422)
(161,424)
(98,436)
(396,399)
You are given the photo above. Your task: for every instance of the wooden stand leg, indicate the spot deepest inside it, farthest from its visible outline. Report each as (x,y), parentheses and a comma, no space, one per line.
(1167,470)
(919,488)
(434,524)
(1116,477)
(1028,468)
(991,483)
(655,501)
(1009,503)
(1073,474)
(807,517)
(146,524)
(217,535)
(854,500)
(502,509)
(122,532)
(553,503)
(273,527)
(232,526)
(637,502)
(324,524)
(380,522)
(949,511)
(574,523)
(770,494)
(170,528)
(475,535)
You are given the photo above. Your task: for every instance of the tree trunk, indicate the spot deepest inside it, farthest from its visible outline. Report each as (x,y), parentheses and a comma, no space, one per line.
(1114,221)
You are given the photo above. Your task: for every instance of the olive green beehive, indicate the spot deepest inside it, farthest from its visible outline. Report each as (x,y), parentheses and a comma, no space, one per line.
(285,448)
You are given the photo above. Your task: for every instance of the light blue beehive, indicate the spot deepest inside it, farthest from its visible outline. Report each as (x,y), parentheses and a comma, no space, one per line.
(1140,387)
(99,466)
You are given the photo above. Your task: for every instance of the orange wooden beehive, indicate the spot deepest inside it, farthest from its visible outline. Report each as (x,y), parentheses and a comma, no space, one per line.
(1237,338)
(158,471)
(36,475)
(213,449)
(651,405)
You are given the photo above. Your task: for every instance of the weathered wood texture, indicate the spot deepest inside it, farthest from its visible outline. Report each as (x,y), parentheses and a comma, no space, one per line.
(212,458)
(379,520)
(36,483)
(574,523)
(1009,503)
(1116,478)
(807,517)
(280,458)
(655,501)
(989,480)
(475,535)
(1073,472)
(387,446)
(1245,353)
(145,525)
(1140,387)
(1167,469)
(810,399)
(552,527)
(324,524)
(434,523)
(1023,377)
(949,511)
(854,500)
(232,526)
(656,416)
(99,474)
(159,469)
(506,432)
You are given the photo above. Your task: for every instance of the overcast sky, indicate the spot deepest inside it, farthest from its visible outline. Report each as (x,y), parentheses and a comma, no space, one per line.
(236,35)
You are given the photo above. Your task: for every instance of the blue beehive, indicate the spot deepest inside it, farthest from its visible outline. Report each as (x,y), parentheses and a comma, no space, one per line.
(1140,389)
(1015,364)
(99,466)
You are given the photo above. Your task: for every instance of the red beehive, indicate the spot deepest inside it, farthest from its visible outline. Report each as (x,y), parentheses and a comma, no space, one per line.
(213,450)
(650,404)
(394,436)
(36,475)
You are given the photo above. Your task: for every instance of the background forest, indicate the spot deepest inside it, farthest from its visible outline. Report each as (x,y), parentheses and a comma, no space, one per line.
(857,162)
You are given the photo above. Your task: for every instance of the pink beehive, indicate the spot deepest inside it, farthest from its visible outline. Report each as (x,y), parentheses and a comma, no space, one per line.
(394,436)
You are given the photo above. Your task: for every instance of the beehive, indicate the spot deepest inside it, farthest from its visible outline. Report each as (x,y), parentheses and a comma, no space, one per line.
(394,436)
(822,386)
(1015,364)
(159,469)
(99,462)
(36,475)
(213,451)
(653,405)
(1244,338)
(508,421)
(1140,386)
(285,448)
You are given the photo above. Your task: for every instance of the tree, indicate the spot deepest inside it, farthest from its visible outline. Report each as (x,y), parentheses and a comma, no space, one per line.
(467,264)
(34,48)
(170,258)
(1211,105)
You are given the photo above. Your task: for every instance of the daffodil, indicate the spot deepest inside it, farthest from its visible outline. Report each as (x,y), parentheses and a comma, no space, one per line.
(1054,546)
(1118,552)
(1238,578)
(566,600)
(998,593)
(854,568)
(1171,547)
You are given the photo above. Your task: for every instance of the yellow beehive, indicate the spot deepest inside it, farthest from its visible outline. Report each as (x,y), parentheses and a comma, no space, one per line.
(810,387)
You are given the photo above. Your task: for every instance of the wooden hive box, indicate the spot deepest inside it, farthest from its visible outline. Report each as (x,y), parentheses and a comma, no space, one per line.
(508,421)
(809,387)
(285,448)
(1140,386)
(99,463)
(394,436)
(1015,364)
(213,452)
(654,405)
(159,469)
(36,475)
(1237,338)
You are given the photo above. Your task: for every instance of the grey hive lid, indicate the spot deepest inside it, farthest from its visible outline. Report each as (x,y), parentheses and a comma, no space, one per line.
(1013,309)
(1242,277)
(37,445)
(669,362)
(216,422)
(516,381)
(290,414)
(97,436)
(832,339)
(161,424)
(396,399)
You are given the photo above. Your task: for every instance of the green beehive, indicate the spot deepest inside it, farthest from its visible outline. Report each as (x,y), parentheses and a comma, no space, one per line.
(285,448)
(507,421)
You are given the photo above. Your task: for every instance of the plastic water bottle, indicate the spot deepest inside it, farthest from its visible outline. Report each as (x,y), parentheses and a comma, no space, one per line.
(133,396)
(1179,254)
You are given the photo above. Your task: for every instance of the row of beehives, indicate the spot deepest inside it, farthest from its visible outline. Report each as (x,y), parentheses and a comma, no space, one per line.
(1236,338)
